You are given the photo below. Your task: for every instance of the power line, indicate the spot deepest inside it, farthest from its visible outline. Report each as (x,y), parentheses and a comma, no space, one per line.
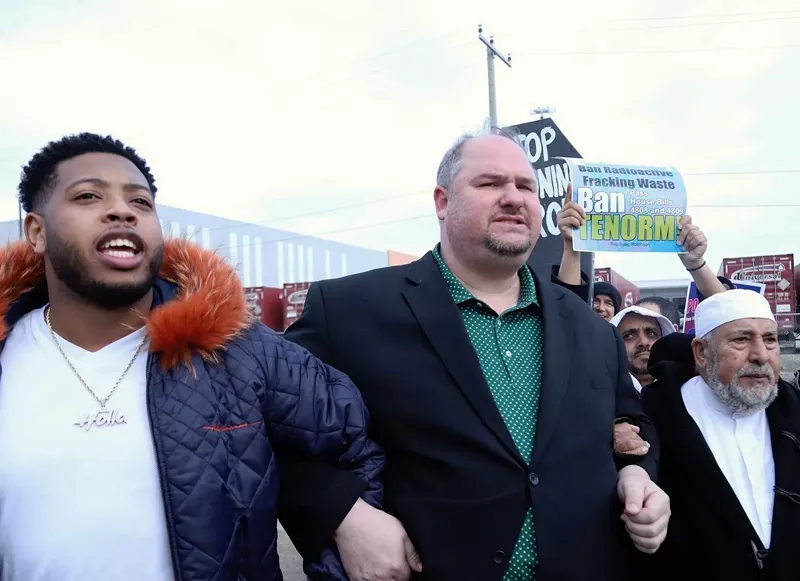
(604,30)
(339,230)
(744,205)
(268,223)
(338,208)
(657,51)
(385,88)
(724,15)
(403,47)
(302,83)
(340,80)
(693,24)
(399,196)
(744,173)
(337,80)
(430,215)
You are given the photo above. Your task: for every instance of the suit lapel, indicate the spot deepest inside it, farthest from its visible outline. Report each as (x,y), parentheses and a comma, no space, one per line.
(697,463)
(559,336)
(429,299)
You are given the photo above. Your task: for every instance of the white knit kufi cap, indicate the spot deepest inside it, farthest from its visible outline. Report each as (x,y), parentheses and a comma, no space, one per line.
(732,305)
(666,325)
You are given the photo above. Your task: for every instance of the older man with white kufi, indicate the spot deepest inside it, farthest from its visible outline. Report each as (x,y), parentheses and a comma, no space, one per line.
(744,379)
(730,434)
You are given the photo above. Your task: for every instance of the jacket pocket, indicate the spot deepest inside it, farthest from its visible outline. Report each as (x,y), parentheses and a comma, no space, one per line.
(463,539)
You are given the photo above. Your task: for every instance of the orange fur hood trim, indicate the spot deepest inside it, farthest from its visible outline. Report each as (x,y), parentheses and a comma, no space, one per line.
(208,311)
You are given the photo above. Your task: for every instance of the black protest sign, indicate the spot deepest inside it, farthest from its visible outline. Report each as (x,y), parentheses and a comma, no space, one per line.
(546,145)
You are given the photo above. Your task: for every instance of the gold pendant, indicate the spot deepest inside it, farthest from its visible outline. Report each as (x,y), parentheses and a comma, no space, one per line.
(102,418)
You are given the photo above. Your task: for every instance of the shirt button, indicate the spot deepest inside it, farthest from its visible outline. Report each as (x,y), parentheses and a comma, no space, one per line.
(533,478)
(499,557)
(508,353)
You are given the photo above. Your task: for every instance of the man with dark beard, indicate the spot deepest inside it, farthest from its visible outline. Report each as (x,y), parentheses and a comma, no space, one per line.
(143,415)
(493,392)
(640,328)
(729,430)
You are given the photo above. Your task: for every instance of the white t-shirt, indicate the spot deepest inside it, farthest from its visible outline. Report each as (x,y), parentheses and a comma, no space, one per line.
(77,505)
(742,447)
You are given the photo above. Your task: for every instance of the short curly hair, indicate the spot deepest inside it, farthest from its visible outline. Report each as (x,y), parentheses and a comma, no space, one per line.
(39,176)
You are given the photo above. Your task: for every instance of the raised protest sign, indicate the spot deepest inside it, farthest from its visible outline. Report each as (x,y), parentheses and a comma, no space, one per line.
(546,146)
(693,299)
(628,208)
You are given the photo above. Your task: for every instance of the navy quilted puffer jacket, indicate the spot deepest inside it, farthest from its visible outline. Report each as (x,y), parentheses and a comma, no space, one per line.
(229,400)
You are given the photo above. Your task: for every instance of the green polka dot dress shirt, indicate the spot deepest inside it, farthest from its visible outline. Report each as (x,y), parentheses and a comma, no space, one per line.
(509,349)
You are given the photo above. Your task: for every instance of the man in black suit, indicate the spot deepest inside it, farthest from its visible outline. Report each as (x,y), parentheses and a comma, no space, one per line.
(493,393)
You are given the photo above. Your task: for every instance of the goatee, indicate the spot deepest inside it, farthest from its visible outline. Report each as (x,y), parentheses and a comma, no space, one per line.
(637,369)
(507,249)
(70,268)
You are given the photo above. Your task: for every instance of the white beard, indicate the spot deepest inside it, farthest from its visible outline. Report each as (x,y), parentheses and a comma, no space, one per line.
(739,399)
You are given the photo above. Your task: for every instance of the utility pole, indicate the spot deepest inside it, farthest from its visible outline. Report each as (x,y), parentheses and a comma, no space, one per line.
(492,52)
(19,207)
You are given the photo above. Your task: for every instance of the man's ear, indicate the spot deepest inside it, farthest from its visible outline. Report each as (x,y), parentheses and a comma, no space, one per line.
(700,350)
(441,198)
(35,232)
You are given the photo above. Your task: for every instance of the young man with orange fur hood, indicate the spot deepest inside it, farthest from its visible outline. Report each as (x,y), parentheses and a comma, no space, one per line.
(143,414)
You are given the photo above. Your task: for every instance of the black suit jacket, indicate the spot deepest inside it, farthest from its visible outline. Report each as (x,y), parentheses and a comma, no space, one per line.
(710,535)
(454,476)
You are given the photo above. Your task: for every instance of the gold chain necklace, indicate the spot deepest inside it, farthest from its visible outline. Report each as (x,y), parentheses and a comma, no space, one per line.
(102,417)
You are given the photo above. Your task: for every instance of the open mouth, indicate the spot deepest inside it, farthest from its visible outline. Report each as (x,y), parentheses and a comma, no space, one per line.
(120,248)
(512,220)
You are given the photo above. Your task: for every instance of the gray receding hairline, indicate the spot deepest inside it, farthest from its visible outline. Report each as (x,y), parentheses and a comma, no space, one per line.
(451,161)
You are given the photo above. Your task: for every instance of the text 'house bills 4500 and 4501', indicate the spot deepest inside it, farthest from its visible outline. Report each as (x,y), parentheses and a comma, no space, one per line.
(628,208)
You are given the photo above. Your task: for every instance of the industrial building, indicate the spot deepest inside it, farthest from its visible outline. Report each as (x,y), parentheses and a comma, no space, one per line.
(263,256)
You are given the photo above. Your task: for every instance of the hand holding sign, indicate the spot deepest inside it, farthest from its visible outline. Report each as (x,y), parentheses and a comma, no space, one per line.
(570,217)
(627,208)
(693,241)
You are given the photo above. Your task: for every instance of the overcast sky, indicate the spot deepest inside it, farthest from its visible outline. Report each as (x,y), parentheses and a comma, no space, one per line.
(329,118)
